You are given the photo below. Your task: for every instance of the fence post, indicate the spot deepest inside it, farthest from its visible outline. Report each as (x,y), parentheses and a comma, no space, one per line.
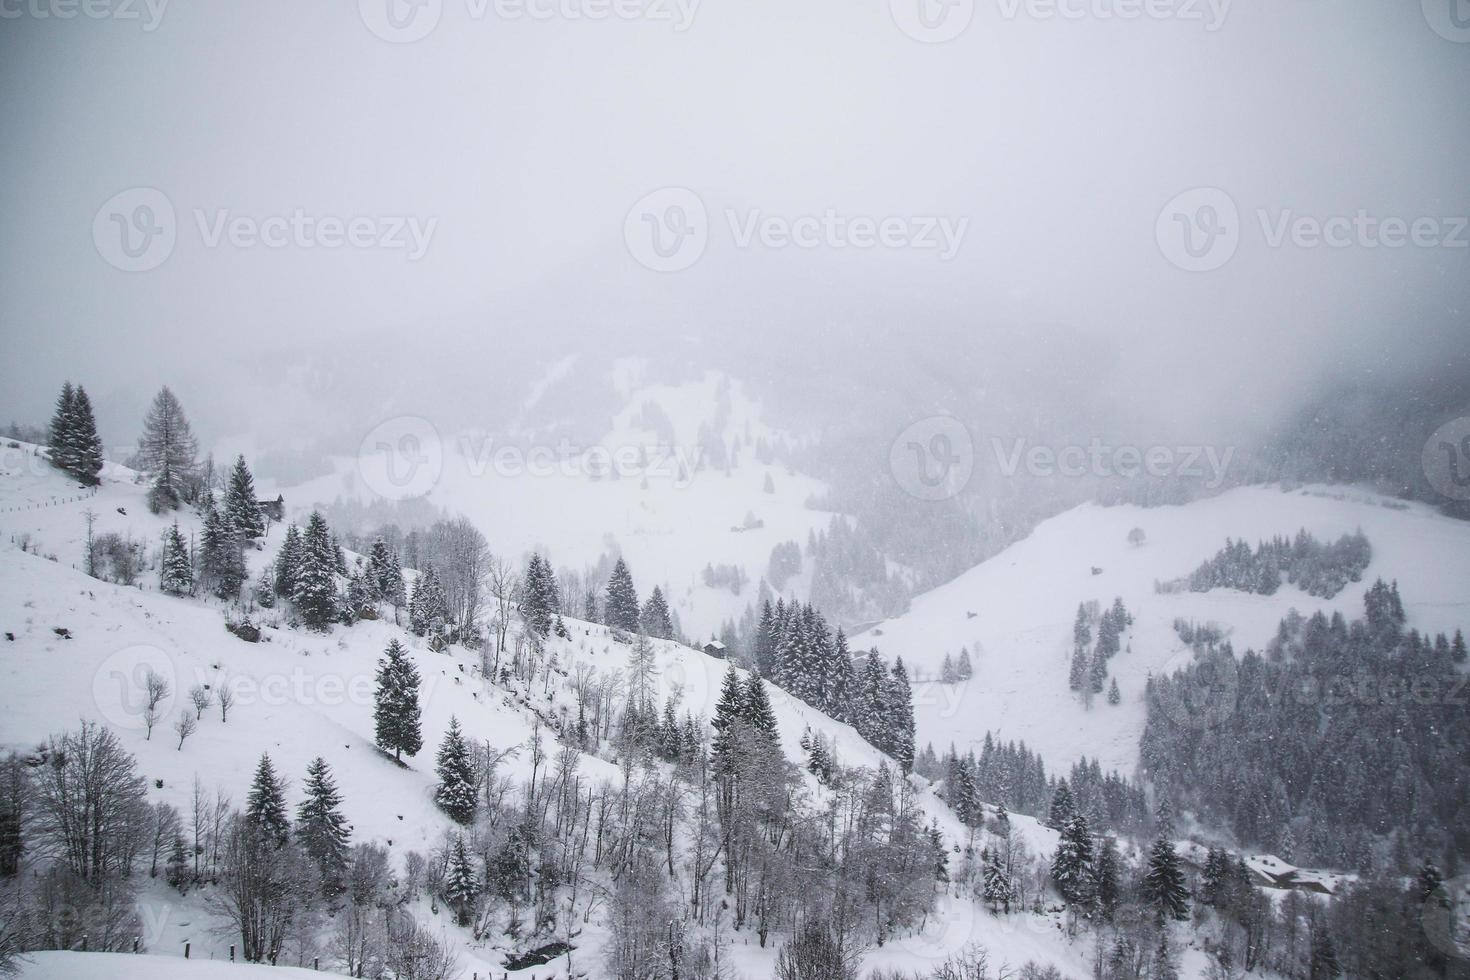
(186,950)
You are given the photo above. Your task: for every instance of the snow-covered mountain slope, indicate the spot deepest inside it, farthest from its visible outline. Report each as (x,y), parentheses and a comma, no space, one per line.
(300,695)
(650,486)
(1015,611)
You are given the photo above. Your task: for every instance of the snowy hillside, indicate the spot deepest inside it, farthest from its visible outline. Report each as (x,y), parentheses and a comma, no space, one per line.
(675,482)
(77,647)
(1015,611)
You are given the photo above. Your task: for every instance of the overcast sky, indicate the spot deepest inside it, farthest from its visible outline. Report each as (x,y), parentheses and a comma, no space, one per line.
(517,147)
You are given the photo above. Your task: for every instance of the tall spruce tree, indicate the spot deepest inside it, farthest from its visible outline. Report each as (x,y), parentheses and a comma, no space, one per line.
(461,885)
(321,828)
(241,504)
(758,713)
(176,574)
(396,704)
(265,807)
(456,793)
(1163,883)
(314,591)
(655,616)
(900,713)
(1071,865)
(621,602)
(61,441)
(288,563)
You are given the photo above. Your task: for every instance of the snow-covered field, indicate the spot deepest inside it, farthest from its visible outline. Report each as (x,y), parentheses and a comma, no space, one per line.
(1015,611)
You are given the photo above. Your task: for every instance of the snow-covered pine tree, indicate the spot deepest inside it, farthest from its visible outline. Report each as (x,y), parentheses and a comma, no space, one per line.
(456,793)
(871,707)
(461,885)
(1106,887)
(221,561)
(396,704)
(288,563)
(314,593)
(1098,672)
(1114,695)
(899,704)
(766,641)
(62,438)
(265,807)
(86,446)
(1071,865)
(758,713)
(947,672)
(841,679)
(655,616)
(621,603)
(1163,883)
(428,609)
(1063,808)
(176,574)
(795,666)
(241,504)
(999,890)
(729,717)
(964,669)
(322,830)
(265,588)
(1077,676)
(167,451)
(538,595)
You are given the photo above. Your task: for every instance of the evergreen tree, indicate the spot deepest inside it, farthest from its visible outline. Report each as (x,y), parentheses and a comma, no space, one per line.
(1071,865)
(167,451)
(396,704)
(314,592)
(999,889)
(540,596)
(1105,886)
(621,602)
(265,808)
(729,718)
(947,672)
(85,447)
(221,562)
(461,886)
(241,504)
(765,641)
(1114,695)
(757,712)
(1457,648)
(900,710)
(176,574)
(655,616)
(964,668)
(1097,673)
(62,440)
(428,609)
(456,793)
(1063,808)
(1077,676)
(1324,963)
(320,827)
(288,563)
(1163,883)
